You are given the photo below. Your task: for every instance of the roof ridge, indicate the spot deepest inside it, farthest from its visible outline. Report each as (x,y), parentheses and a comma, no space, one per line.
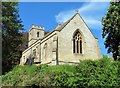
(65,23)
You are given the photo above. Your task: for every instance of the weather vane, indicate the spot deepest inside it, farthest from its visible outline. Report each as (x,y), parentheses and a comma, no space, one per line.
(77,11)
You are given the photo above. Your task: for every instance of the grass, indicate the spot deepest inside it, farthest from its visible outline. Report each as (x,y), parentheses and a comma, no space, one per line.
(25,75)
(103,72)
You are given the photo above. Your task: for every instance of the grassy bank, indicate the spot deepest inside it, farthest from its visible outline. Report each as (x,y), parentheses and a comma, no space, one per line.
(101,73)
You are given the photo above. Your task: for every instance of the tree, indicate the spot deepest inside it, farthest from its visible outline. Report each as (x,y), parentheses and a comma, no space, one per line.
(11,36)
(111,29)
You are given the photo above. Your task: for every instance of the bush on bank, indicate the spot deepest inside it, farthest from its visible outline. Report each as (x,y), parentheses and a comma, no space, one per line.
(101,73)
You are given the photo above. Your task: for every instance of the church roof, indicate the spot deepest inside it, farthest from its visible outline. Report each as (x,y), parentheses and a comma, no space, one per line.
(60,27)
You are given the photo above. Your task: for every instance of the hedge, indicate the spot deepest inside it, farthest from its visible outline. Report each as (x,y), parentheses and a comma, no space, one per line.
(103,73)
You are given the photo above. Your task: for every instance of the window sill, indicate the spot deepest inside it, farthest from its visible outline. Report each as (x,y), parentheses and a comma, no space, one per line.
(78,54)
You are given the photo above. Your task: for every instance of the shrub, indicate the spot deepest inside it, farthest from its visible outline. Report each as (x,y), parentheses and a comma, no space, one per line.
(102,73)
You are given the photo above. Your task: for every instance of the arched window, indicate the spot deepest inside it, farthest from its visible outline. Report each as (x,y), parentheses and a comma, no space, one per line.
(77,43)
(45,50)
(37,34)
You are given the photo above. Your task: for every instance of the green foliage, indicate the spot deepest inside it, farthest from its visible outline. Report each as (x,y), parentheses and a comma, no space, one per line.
(100,73)
(11,36)
(24,41)
(103,73)
(111,29)
(65,79)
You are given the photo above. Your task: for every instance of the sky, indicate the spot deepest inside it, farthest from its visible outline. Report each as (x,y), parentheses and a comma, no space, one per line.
(49,14)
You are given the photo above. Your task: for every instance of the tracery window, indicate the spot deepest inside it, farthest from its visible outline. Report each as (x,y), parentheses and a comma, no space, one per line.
(77,43)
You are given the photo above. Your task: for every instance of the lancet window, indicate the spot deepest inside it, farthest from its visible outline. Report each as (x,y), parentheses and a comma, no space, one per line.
(77,43)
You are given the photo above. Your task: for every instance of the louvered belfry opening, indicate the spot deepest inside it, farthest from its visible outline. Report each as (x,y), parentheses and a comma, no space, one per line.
(77,43)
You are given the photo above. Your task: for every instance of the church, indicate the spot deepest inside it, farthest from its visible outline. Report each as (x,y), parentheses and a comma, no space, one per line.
(66,44)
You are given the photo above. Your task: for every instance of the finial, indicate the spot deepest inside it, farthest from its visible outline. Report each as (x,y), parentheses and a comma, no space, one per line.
(33,25)
(59,23)
(77,11)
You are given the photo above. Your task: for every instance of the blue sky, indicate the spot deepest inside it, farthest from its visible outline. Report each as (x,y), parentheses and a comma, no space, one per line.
(48,14)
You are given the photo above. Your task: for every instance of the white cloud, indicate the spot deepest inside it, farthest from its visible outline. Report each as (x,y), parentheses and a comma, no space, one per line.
(91,12)
(87,7)
(92,22)
(64,16)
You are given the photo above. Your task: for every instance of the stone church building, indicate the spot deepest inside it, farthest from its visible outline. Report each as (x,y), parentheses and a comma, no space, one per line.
(66,44)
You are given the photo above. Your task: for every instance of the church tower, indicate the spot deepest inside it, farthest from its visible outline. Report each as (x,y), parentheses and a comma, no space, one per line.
(35,33)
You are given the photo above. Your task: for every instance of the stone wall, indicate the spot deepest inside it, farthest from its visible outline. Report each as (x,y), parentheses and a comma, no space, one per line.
(47,48)
(57,46)
(65,42)
(28,53)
